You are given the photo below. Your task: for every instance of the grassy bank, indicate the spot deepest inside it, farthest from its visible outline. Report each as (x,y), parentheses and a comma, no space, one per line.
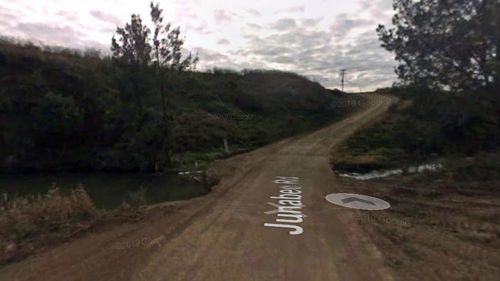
(30,222)
(33,218)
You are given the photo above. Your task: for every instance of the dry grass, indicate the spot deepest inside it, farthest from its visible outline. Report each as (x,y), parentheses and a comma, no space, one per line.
(28,221)
(441,226)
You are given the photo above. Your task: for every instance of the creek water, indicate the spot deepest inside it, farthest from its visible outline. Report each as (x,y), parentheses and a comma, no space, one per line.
(108,191)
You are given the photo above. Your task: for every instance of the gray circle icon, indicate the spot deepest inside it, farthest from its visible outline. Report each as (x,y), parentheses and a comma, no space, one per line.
(357,201)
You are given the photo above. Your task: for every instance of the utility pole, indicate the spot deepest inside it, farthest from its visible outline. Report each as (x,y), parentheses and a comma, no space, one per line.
(342,75)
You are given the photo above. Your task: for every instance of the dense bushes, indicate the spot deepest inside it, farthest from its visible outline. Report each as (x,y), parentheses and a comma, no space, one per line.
(450,123)
(61,110)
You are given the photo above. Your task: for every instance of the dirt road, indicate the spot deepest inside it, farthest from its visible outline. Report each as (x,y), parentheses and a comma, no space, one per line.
(222,236)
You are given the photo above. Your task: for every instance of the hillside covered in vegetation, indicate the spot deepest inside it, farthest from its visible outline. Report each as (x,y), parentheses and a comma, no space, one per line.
(64,110)
(423,127)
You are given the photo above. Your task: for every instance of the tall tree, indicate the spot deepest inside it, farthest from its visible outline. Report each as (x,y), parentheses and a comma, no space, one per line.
(168,44)
(161,55)
(133,46)
(450,44)
(133,49)
(163,51)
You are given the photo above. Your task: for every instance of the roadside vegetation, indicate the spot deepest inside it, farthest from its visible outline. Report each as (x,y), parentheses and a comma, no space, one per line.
(441,224)
(424,127)
(27,222)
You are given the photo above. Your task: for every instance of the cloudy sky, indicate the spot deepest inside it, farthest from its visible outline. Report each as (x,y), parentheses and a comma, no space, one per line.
(315,38)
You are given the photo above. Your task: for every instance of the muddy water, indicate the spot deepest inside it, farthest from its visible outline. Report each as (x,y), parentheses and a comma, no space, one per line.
(108,191)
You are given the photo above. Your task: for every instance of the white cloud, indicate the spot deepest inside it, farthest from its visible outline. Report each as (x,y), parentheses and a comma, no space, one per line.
(315,38)
(284,24)
(223,41)
(222,16)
